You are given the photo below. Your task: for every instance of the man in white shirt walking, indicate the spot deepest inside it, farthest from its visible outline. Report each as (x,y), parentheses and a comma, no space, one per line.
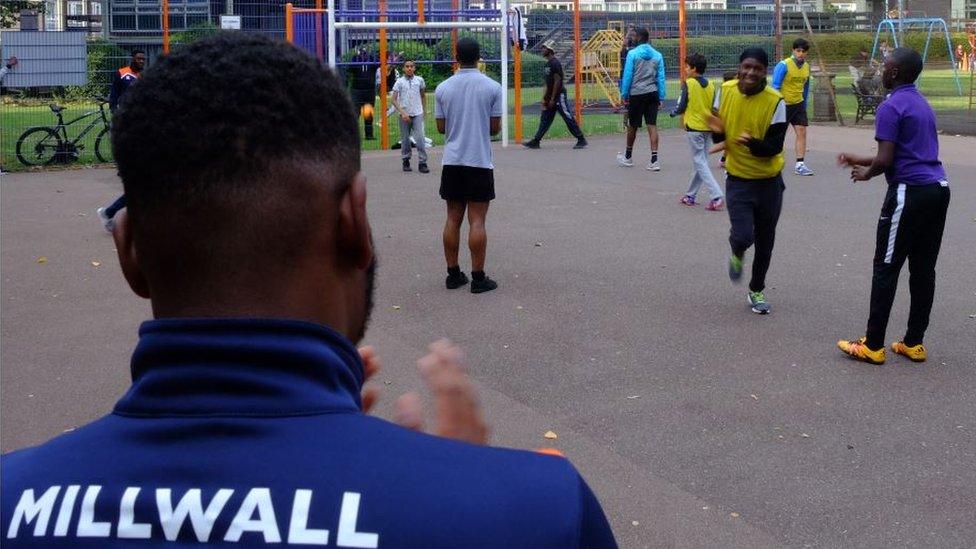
(409,98)
(468,110)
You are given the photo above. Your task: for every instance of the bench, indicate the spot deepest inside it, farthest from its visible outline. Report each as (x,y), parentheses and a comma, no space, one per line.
(866,104)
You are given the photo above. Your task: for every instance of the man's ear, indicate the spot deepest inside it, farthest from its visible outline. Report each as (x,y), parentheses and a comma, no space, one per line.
(354,243)
(128,259)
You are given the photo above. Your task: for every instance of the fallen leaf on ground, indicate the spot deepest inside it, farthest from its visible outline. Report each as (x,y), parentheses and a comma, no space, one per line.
(632,397)
(754,397)
(42,259)
(96,263)
(396,307)
(550,435)
(733,514)
(804,435)
(635,523)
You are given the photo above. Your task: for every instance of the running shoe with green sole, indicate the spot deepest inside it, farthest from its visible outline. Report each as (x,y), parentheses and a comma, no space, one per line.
(735,268)
(758,302)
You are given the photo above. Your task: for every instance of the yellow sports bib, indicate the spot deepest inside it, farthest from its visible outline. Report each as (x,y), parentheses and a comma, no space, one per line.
(752,114)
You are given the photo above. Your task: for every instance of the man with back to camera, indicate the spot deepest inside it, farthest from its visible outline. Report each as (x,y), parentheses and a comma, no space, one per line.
(468,110)
(750,118)
(791,77)
(247,230)
(913,213)
(363,75)
(642,88)
(121,81)
(554,100)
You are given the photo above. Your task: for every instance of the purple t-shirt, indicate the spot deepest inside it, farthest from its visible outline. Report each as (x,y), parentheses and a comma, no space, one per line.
(907,120)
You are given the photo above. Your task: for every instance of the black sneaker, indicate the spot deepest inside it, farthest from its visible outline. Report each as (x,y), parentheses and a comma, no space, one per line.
(423,168)
(581,143)
(484,285)
(455,282)
(531,144)
(406,166)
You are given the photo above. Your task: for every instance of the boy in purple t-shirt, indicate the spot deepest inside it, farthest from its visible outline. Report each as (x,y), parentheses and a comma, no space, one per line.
(913,213)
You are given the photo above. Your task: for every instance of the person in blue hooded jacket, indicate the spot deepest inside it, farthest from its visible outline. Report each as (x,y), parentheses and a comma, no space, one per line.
(642,88)
(246,228)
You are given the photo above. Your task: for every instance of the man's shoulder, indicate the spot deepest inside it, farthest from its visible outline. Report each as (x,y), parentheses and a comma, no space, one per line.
(773,93)
(90,448)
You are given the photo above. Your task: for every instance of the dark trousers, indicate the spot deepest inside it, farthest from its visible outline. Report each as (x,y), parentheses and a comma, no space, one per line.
(754,206)
(910,227)
(360,98)
(548,115)
(114,207)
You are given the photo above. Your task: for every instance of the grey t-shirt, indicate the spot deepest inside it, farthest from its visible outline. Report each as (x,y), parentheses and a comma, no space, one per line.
(467,101)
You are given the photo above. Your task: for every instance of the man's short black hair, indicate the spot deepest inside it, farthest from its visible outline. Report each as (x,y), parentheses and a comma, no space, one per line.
(801,44)
(224,148)
(468,51)
(137,52)
(909,62)
(696,61)
(643,35)
(758,54)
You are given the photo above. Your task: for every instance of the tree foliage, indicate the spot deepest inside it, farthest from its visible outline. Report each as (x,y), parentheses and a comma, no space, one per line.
(10,10)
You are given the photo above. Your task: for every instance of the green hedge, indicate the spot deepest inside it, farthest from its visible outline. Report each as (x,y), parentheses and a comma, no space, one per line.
(836,48)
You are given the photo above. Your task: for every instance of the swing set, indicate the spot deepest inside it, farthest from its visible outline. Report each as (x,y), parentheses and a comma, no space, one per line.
(930,24)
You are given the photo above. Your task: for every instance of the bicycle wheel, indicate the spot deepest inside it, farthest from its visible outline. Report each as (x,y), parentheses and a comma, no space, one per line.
(38,146)
(103,146)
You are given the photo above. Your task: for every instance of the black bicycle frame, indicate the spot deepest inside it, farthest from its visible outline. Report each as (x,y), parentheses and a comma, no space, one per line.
(63,127)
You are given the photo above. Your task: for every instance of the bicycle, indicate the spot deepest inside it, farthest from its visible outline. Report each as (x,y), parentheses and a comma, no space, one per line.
(44,145)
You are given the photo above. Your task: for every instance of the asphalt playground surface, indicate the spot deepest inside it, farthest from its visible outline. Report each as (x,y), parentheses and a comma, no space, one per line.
(696,422)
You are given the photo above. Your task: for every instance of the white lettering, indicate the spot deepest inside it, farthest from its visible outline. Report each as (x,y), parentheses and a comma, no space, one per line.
(258,499)
(28,509)
(67,508)
(87,527)
(190,504)
(128,528)
(348,516)
(298,530)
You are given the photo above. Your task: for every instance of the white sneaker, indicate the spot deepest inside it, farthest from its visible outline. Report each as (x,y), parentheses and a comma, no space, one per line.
(623,161)
(653,166)
(107,221)
(802,169)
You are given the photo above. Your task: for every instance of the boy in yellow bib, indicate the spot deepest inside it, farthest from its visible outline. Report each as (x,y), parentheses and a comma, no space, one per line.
(792,78)
(753,118)
(695,103)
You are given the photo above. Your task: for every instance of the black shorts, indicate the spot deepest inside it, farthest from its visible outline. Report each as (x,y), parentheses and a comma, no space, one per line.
(467,184)
(362,97)
(796,115)
(643,106)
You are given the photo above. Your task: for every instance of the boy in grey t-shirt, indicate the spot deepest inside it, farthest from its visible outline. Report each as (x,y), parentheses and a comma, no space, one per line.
(468,110)
(409,98)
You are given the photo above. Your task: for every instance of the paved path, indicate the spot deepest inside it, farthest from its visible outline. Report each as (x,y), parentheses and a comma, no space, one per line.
(698,423)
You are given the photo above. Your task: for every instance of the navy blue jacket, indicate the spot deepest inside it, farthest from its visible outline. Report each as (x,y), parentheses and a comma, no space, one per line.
(250,432)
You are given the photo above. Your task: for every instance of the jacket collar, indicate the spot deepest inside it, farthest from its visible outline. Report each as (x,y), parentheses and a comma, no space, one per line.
(241,367)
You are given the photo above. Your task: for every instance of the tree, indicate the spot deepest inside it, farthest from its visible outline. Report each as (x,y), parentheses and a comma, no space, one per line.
(10,10)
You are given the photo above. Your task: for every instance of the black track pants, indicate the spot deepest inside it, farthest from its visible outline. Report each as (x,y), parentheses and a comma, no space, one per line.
(548,115)
(910,227)
(754,206)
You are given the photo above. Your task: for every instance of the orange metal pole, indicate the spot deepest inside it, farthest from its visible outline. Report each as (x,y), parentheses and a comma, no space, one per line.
(421,15)
(289,24)
(518,91)
(165,21)
(319,50)
(682,39)
(385,132)
(577,73)
(455,5)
